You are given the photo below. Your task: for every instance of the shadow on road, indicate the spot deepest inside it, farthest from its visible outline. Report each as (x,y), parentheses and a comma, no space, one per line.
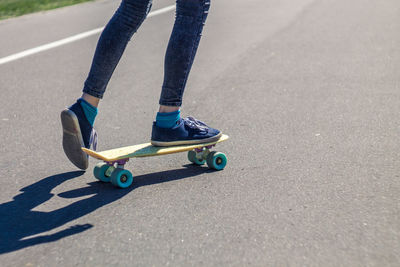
(18,221)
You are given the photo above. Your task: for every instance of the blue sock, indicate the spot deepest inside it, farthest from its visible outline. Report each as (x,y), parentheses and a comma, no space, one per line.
(89,110)
(168,119)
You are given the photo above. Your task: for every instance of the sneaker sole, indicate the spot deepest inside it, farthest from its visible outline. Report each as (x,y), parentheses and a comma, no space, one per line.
(72,140)
(187,142)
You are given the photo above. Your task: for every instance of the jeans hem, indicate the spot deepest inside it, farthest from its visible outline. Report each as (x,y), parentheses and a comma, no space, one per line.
(170,104)
(92,93)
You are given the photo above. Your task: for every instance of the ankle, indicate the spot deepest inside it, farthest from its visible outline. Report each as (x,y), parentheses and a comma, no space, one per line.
(168,109)
(94,101)
(168,119)
(89,110)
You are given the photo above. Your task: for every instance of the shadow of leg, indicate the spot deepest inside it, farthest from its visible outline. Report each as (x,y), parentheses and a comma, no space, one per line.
(18,221)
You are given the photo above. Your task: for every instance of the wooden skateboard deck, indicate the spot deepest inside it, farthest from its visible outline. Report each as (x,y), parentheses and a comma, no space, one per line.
(145,150)
(112,170)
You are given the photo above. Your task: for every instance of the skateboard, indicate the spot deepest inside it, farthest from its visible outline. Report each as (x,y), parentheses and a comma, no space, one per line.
(112,168)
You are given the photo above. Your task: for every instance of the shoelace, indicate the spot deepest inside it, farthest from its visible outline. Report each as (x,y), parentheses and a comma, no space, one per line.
(196,124)
(93,139)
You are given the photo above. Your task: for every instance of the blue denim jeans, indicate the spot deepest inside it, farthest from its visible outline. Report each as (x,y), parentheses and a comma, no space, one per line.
(189,21)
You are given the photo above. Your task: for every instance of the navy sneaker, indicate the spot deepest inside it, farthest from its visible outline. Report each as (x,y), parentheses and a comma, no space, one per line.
(77,133)
(187,131)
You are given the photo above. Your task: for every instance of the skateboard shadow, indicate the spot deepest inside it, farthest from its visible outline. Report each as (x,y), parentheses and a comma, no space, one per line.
(20,225)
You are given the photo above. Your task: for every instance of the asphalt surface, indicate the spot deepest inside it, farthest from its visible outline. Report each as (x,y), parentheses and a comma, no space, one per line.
(309,92)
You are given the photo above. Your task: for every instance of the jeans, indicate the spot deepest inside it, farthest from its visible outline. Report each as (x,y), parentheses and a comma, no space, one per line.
(189,21)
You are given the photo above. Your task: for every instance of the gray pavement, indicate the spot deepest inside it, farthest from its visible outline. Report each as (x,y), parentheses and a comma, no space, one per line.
(307,90)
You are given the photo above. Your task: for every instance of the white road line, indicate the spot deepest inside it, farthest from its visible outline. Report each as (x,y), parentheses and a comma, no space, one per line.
(70,39)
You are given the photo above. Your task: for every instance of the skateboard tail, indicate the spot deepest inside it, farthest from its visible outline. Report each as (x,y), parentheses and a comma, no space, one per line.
(93,154)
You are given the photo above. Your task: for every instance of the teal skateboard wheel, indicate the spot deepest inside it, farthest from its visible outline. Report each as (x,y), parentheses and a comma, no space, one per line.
(216,160)
(100,171)
(121,178)
(193,158)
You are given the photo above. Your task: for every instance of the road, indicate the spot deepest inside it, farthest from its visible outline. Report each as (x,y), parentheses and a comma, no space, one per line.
(308,90)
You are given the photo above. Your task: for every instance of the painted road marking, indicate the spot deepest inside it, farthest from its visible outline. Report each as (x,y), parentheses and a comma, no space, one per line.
(71,39)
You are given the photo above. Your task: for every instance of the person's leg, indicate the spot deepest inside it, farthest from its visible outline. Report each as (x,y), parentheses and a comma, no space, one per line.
(168,128)
(78,119)
(112,43)
(182,47)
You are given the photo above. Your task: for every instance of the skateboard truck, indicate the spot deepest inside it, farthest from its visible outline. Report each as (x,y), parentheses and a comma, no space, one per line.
(202,152)
(201,155)
(120,163)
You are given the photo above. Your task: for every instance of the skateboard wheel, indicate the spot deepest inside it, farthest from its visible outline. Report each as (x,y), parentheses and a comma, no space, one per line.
(100,171)
(216,160)
(192,158)
(121,178)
